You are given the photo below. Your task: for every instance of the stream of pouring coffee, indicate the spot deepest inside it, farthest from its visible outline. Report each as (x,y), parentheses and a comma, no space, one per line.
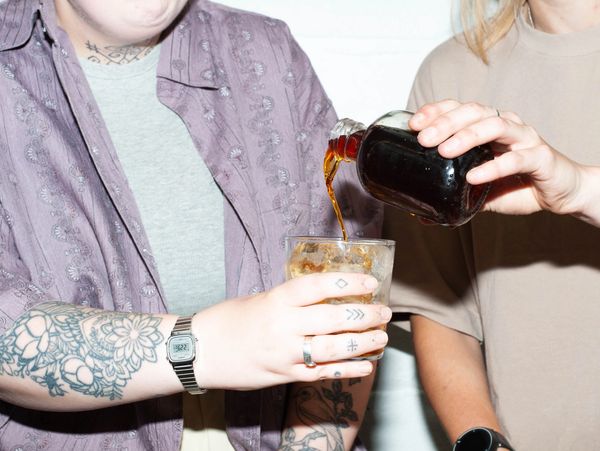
(343,148)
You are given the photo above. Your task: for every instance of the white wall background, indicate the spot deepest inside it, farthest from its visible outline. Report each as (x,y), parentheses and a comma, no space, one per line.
(366,54)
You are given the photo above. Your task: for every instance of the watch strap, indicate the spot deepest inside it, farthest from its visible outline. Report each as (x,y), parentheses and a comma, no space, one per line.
(185,370)
(500,441)
(183,325)
(185,373)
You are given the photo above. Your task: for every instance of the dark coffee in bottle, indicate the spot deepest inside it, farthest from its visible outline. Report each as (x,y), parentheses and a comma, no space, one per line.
(394,168)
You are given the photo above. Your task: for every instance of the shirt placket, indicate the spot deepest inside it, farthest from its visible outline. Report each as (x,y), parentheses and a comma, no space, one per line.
(103,155)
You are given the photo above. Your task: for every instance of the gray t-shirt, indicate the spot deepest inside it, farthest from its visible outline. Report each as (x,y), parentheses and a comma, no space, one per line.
(180,204)
(528,286)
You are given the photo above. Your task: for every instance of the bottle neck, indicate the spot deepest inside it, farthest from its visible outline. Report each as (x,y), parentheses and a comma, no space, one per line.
(345,138)
(352,145)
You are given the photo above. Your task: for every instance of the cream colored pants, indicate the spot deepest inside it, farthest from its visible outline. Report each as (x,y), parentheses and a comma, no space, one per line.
(204,422)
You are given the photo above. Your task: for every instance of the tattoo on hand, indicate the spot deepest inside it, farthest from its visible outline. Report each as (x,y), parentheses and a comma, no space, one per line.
(114,54)
(354,314)
(326,413)
(89,351)
(352,345)
(341,283)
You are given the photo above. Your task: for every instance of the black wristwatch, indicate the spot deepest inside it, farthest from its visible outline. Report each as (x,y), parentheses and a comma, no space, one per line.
(181,353)
(481,439)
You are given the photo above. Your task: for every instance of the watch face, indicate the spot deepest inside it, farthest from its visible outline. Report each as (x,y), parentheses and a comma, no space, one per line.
(478,439)
(180,348)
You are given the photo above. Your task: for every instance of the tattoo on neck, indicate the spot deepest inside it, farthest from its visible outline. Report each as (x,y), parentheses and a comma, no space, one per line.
(89,351)
(115,54)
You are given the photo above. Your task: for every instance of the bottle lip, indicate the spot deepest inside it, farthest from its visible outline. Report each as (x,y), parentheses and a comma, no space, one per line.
(395,118)
(345,127)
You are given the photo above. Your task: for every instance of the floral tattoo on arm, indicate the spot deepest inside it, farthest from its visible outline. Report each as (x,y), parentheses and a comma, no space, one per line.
(326,412)
(93,352)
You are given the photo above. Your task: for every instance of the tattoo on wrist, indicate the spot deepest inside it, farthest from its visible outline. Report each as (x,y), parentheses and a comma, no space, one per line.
(326,412)
(90,351)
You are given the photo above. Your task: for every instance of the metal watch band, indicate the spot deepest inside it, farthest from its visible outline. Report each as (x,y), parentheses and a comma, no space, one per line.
(185,373)
(183,325)
(185,370)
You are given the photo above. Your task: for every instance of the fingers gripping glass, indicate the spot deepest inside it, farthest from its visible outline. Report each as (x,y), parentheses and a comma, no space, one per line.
(310,254)
(481,439)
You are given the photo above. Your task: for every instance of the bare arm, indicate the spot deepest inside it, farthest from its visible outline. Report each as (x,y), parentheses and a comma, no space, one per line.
(589,209)
(453,375)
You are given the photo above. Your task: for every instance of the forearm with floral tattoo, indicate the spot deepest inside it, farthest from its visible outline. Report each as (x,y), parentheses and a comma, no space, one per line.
(319,414)
(94,352)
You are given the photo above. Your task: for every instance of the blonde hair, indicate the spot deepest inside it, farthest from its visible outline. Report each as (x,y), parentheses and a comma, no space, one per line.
(482,31)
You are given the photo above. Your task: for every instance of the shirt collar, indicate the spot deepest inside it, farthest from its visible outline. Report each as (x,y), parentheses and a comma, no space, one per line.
(187,51)
(16,22)
(19,17)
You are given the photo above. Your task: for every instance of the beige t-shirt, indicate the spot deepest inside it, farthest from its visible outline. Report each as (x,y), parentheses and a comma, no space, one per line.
(528,287)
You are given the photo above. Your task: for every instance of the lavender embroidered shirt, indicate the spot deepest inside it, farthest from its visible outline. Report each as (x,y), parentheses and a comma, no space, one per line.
(69,225)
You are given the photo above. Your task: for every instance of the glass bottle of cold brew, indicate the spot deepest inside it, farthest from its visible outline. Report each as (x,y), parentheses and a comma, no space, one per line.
(394,168)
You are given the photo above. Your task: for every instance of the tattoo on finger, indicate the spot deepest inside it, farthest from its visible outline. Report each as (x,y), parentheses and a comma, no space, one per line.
(341,283)
(354,314)
(352,345)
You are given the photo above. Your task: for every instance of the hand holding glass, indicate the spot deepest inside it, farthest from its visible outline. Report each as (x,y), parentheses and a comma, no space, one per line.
(306,255)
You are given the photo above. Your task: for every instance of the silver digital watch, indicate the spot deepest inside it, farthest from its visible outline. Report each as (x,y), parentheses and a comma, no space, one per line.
(181,353)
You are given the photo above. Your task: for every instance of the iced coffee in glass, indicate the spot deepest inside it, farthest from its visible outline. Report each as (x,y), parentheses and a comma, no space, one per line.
(306,254)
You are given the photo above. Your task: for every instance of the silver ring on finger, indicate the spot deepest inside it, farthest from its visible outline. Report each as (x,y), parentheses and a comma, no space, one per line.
(307,351)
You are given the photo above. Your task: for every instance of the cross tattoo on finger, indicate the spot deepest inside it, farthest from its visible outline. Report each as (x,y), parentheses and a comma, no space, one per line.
(352,345)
